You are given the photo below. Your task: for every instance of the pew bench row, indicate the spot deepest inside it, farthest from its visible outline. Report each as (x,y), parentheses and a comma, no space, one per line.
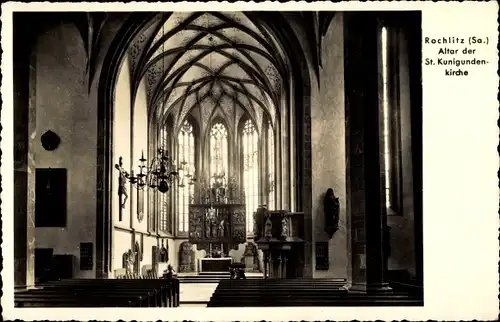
(302,292)
(102,293)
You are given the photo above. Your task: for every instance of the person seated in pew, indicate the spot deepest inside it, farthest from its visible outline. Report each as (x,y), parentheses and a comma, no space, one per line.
(241,274)
(237,273)
(169,273)
(232,271)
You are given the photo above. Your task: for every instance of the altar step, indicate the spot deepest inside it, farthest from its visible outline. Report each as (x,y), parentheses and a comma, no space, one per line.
(196,294)
(214,274)
(211,277)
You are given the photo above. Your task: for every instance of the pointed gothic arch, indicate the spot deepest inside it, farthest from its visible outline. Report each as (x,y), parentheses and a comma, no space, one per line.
(218,139)
(296,66)
(187,157)
(251,170)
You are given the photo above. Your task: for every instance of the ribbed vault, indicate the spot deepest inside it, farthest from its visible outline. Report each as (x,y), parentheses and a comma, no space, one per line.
(209,63)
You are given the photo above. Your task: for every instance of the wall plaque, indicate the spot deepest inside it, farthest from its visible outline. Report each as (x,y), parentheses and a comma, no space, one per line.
(140,205)
(322,262)
(154,256)
(50,197)
(50,140)
(86,256)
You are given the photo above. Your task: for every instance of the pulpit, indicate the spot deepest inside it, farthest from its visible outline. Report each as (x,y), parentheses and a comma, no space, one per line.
(280,235)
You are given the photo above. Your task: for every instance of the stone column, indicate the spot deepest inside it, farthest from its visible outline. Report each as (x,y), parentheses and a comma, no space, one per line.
(365,188)
(285,260)
(305,184)
(285,160)
(280,265)
(266,264)
(24,161)
(271,266)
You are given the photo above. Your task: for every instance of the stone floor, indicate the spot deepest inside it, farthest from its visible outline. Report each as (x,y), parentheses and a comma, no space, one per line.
(248,274)
(192,305)
(198,294)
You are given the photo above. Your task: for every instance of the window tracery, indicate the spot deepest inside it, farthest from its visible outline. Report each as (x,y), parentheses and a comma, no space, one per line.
(250,170)
(165,220)
(187,168)
(219,152)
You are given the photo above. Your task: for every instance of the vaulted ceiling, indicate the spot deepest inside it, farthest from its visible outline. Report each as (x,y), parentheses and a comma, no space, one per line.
(205,63)
(209,64)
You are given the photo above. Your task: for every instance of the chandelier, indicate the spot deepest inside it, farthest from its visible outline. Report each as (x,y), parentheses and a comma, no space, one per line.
(156,176)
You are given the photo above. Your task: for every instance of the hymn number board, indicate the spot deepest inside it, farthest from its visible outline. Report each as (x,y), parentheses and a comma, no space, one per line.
(50,197)
(322,262)
(86,256)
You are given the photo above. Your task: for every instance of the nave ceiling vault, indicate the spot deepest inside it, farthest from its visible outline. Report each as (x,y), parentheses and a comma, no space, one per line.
(240,37)
(209,63)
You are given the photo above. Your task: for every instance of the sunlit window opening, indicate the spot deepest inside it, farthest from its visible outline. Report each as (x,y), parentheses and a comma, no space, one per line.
(163,202)
(186,165)
(250,171)
(385,106)
(219,154)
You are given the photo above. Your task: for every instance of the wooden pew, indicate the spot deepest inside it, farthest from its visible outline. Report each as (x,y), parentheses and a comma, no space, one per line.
(128,297)
(102,293)
(301,292)
(43,299)
(149,295)
(168,289)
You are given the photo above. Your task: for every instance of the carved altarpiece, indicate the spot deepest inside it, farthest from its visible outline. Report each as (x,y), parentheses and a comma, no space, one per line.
(217,218)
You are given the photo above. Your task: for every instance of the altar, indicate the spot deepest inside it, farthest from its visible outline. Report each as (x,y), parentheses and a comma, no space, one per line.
(215,264)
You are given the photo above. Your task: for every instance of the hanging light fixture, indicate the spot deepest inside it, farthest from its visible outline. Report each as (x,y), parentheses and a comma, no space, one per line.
(158,175)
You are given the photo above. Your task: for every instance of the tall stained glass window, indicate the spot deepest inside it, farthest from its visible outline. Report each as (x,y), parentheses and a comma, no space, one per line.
(386,124)
(271,203)
(186,166)
(219,152)
(250,170)
(165,222)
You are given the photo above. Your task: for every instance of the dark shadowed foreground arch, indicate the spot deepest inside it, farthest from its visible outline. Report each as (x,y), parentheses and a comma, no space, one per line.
(105,99)
(135,23)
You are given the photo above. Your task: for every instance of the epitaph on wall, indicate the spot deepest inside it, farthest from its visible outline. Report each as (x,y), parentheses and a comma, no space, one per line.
(51,197)
(86,256)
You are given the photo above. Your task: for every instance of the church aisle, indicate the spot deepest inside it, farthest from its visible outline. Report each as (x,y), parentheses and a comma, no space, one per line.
(198,305)
(196,294)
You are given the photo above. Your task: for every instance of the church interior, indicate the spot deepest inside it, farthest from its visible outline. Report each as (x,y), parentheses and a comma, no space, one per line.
(226,153)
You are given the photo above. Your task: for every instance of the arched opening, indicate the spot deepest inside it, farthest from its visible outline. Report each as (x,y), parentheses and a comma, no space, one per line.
(250,169)
(218,151)
(206,88)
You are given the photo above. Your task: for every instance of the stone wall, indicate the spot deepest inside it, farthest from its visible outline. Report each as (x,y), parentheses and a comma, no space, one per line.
(328,148)
(62,106)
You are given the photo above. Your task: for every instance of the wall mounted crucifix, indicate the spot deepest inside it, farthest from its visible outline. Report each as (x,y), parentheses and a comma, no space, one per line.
(122,188)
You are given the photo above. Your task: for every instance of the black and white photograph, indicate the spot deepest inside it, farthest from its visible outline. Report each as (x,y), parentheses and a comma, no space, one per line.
(218,159)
